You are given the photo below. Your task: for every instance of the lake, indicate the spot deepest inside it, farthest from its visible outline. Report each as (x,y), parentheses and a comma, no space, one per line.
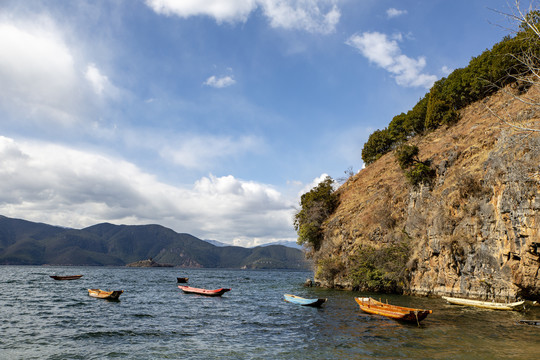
(46,319)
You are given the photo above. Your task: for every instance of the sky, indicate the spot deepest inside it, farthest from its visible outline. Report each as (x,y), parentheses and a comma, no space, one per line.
(210,117)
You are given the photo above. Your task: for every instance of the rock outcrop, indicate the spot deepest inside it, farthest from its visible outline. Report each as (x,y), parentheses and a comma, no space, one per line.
(148,263)
(475,232)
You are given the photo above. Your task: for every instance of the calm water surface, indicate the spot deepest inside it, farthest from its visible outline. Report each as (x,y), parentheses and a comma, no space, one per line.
(41,318)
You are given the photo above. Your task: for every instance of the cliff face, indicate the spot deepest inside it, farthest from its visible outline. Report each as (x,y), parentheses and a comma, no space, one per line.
(474,232)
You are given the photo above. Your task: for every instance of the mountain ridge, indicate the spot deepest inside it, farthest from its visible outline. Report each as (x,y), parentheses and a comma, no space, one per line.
(24,242)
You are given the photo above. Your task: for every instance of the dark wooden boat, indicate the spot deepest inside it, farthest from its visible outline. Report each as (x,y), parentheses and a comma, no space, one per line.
(68,277)
(182,280)
(303,301)
(205,292)
(373,306)
(102,294)
(530,322)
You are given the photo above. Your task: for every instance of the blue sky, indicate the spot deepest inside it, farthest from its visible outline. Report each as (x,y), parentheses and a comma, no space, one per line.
(210,117)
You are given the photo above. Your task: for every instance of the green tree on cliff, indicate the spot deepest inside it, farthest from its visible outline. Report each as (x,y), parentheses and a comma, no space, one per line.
(316,205)
(513,60)
(416,171)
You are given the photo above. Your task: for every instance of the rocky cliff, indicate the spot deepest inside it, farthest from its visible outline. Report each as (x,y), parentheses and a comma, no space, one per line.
(474,232)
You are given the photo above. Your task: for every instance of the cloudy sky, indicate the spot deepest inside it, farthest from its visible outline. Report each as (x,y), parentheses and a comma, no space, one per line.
(210,117)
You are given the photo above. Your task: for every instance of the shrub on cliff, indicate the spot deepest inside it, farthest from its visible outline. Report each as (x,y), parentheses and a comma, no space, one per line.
(380,270)
(416,171)
(328,269)
(316,205)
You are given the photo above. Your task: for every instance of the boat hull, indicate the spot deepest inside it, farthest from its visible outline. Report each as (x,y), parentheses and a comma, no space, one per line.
(303,301)
(205,292)
(68,277)
(400,313)
(515,306)
(101,294)
(530,322)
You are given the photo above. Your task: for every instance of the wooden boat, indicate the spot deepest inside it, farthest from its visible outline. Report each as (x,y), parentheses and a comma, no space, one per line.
(373,306)
(530,322)
(516,306)
(205,292)
(182,280)
(68,277)
(102,294)
(304,302)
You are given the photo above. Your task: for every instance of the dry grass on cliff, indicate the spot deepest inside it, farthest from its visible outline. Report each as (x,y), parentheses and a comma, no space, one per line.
(380,192)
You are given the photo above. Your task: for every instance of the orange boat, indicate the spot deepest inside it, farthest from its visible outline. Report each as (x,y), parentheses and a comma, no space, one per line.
(102,294)
(68,277)
(372,306)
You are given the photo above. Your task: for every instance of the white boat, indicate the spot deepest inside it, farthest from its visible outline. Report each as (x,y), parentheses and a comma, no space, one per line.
(517,306)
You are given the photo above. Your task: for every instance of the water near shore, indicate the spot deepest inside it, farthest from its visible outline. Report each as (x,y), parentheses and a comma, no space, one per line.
(46,319)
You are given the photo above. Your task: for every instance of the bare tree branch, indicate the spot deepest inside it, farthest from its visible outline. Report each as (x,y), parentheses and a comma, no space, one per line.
(518,127)
(529,60)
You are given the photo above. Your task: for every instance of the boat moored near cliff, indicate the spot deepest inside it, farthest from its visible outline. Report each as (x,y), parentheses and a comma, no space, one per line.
(303,301)
(515,306)
(395,312)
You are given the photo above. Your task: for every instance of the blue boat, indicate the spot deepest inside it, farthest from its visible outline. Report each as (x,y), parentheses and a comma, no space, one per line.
(304,302)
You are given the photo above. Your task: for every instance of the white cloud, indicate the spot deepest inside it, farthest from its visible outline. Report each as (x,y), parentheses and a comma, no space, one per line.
(446,70)
(317,16)
(199,152)
(42,81)
(313,184)
(306,15)
(37,71)
(219,82)
(386,53)
(68,187)
(221,10)
(99,82)
(392,13)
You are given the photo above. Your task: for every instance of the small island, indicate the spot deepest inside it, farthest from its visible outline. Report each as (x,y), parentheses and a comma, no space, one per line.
(148,263)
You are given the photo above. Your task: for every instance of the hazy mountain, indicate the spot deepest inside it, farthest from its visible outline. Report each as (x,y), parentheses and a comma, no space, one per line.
(28,243)
(291,244)
(216,243)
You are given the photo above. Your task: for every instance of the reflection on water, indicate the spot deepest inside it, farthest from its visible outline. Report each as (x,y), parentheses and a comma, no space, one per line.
(46,319)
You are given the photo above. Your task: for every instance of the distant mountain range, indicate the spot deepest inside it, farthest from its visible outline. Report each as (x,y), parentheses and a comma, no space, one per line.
(27,243)
(286,243)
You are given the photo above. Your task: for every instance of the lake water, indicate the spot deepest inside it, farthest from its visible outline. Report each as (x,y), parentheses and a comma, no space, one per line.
(41,318)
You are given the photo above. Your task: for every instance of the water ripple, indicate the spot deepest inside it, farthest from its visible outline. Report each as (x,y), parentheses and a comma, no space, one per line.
(46,319)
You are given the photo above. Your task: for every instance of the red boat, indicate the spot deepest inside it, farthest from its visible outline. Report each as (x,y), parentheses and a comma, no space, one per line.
(68,277)
(205,292)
